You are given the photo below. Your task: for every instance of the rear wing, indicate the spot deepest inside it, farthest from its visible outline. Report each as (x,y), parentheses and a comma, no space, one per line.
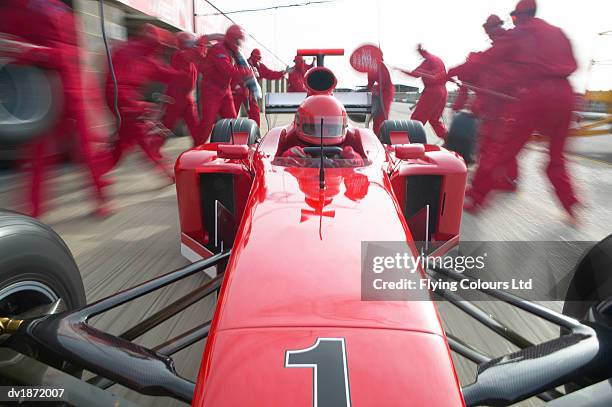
(354,102)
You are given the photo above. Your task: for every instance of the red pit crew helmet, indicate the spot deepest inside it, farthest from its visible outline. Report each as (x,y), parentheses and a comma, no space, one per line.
(308,121)
(234,37)
(256,55)
(185,40)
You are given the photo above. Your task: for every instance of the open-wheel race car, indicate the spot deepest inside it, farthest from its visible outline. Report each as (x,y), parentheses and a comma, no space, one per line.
(278,222)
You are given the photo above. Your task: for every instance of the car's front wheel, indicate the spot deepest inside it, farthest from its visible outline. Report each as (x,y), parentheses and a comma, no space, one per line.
(36,267)
(590,289)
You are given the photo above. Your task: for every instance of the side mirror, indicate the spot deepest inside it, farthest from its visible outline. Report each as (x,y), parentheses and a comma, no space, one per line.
(233,151)
(409,151)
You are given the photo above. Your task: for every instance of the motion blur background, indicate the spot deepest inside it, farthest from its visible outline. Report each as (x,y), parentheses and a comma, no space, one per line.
(141,239)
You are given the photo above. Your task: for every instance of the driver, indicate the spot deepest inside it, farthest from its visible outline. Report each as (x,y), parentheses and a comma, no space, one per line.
(320,118)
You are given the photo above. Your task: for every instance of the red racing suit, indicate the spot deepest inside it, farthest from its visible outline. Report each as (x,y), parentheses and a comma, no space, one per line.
(383,92)
(188,61)
(536,59)
(295,79)
(51,24)
(218,72)
(135,67)
(431,103)
(241,94)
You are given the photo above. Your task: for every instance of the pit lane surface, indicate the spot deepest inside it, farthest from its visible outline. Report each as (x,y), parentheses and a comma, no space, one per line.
(140,241)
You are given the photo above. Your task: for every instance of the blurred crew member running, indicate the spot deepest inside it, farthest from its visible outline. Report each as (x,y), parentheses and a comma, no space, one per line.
(136,66)
(187,59)
(431,103)
(487,107)
(51,25)
(544,103)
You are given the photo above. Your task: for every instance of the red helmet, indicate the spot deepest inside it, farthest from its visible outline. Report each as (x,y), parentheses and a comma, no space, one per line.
(493,26)
(320,110)
(185,40)
(421,50)
(525,8)
(493,21)
(234,37)
(256,54)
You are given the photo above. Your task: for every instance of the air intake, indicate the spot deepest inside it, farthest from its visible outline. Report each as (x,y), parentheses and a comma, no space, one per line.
(320,80)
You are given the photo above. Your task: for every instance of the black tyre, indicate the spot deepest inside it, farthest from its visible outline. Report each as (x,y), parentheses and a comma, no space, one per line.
(222,132)
(31,101)
(590,288)
(462,136)
(180,130)
(36,267)
(591,284)
(415,129)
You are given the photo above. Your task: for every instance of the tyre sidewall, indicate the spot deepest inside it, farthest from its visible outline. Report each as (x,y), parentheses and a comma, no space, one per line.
(29,251)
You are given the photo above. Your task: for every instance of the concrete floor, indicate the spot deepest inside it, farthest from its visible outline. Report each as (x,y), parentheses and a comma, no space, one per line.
(140,241)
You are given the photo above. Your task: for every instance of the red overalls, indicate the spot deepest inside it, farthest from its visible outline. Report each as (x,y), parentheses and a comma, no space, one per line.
(383,91)
(51,24)
(241,94)
(431,103)
(539,58)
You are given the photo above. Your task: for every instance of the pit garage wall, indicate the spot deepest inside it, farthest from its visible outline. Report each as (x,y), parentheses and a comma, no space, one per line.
(93,57)
(177,13)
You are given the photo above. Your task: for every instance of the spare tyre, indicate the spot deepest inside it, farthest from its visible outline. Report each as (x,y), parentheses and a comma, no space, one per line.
(222,132)
(414,129)
(462,136)
(31,100)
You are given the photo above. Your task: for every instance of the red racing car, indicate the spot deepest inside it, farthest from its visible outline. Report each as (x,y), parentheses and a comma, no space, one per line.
(279,222)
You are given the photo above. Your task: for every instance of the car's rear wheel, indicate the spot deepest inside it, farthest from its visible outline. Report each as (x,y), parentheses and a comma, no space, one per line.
(222,132)
(414,129)
(461,136)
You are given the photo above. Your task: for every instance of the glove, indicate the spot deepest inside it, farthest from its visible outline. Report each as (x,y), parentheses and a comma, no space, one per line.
(452,73)
(348,153)
(295,152)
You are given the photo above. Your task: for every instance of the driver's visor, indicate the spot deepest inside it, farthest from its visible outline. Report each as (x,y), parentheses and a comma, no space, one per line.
(330,127)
